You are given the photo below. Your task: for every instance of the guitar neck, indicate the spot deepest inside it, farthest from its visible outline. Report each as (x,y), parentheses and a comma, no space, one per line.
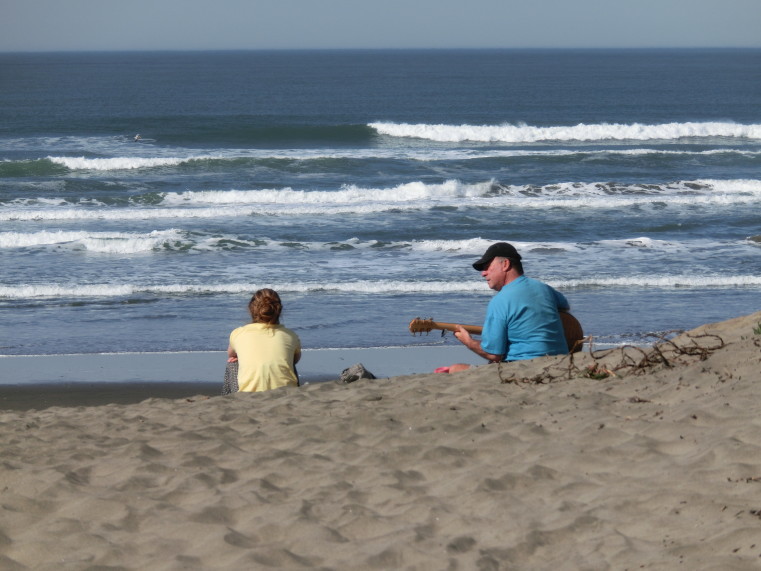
(574,334)
(472,329)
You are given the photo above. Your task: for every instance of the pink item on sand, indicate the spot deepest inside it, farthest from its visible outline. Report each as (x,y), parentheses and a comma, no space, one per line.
(441,370)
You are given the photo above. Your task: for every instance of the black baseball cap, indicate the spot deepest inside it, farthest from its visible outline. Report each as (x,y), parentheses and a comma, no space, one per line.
(498,250)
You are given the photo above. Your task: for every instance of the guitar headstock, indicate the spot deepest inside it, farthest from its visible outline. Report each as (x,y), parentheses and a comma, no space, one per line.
(419,325)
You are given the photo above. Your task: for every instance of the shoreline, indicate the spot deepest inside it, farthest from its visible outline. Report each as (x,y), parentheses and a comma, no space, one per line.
(41,381)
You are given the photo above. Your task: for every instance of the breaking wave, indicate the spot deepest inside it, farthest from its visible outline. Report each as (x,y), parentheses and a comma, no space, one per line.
(409,196)
(522,133)
(55,165)
(116,163)
(30,291)
(101,242)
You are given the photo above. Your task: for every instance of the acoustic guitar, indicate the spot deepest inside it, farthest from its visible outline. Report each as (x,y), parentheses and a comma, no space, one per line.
(574,334)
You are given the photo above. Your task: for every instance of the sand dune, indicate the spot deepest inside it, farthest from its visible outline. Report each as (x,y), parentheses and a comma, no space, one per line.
(533,465)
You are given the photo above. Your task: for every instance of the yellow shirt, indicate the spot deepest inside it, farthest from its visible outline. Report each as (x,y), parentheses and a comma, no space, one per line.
(265,356)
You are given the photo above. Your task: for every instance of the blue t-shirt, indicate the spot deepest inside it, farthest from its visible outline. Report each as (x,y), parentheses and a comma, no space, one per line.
(522,321)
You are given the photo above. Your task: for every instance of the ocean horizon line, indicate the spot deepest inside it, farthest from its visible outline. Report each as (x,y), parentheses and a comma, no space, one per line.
(389,49)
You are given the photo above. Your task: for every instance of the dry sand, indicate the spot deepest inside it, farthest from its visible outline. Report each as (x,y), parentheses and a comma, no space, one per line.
(656,466)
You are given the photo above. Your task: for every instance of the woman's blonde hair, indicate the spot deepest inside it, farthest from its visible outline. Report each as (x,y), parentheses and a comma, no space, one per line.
(265,307)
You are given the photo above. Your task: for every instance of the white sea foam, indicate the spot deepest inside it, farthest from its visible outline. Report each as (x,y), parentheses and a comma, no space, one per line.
(423,155)
(410,196)
(476,246)
(642,242)
(220,212)
(454,191)
(76,290)
(464,153)
(126,243)
(522,133)
(663,282)
(101,242)
(117,163)
(350,194)
(233,203)
(750,186)
(37,201)
(107,290)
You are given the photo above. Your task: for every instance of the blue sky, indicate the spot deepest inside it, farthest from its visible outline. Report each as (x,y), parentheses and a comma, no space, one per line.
(53,25)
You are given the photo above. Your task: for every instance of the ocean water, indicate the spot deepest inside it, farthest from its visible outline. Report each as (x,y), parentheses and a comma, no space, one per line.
(362,184)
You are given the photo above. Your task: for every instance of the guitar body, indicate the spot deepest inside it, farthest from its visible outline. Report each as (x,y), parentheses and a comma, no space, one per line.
(574,334)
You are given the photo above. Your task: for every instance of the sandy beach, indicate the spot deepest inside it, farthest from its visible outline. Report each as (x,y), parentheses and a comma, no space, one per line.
(632,458)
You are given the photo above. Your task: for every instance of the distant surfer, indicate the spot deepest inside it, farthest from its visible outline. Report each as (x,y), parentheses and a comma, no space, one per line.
(137,137)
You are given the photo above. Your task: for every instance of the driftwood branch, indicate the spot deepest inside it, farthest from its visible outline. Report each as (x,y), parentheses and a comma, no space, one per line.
(625,360)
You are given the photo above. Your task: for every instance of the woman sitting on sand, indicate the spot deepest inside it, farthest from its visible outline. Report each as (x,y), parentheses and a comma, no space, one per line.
(266,351)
